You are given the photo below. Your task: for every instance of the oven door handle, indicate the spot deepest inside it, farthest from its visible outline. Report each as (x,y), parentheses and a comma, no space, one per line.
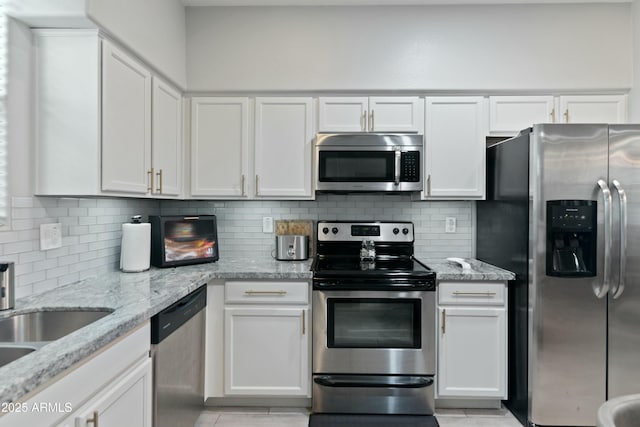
(368,381)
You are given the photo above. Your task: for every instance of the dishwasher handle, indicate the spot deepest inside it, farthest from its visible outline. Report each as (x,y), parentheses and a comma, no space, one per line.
(177,314)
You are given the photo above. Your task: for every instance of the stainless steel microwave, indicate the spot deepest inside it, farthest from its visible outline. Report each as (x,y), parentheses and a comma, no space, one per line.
(368,162)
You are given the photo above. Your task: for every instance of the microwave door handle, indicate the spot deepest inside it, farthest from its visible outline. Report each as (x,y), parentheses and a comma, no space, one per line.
(398,162)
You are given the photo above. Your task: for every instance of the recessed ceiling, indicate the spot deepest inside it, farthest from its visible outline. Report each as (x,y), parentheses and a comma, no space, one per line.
(378,2)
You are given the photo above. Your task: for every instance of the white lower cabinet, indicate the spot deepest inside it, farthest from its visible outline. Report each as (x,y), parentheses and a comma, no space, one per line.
(266,341)
(126,402)
(472,340)
(111,388)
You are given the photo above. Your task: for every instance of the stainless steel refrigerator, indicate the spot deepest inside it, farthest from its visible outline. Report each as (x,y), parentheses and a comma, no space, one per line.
(563,213)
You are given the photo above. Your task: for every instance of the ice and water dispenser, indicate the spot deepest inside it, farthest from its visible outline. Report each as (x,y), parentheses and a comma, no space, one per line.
(571,238)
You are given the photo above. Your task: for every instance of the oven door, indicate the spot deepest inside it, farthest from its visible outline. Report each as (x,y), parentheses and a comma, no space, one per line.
(374,332)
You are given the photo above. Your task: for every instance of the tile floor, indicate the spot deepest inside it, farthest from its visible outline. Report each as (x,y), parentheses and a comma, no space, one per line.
(298,417)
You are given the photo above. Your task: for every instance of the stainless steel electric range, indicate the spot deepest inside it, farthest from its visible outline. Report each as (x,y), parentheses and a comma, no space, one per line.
(373,321)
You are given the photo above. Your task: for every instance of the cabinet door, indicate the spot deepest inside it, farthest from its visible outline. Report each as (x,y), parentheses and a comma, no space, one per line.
(510,114)
(593,109)
(219,146)
(396,114)
(455,132)
(166,149)
(126,122)
(472,352)
(283,147)
(266,351)
(125,403)
(342,114)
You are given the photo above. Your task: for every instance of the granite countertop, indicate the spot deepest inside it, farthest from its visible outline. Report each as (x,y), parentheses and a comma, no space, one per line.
(136,297)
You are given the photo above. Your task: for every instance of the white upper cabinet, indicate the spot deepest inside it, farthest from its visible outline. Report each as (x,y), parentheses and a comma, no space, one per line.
(219,146)
(370,114)
(283,147)
(510,114)
(593,109)
(126,123)
(455,132)
(105,126)
(166,133)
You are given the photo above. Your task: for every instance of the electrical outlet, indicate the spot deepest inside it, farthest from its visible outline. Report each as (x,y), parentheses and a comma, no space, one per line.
(50,236)
(450,225)
(267,224)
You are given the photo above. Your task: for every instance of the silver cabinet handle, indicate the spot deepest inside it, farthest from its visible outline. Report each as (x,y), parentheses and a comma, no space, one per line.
(474,294)
(257,182)
(363,121)
(444,320)
(622,198)
(242,180)
(566,115)
(371,126)
(606,194)
(398,164)
(94,419)
(150,177)
(553,115)
(304,326)
(429,185)
(159,175)
(252,292)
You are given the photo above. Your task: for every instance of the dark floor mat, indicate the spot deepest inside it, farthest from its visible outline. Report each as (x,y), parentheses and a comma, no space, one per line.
(354,420)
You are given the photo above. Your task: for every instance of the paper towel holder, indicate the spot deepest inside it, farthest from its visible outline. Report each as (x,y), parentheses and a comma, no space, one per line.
(135,249)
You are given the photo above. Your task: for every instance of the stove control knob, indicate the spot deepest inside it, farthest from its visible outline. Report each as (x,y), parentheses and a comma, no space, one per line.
(396,230)
(334,230)
(405,231)
(325,230)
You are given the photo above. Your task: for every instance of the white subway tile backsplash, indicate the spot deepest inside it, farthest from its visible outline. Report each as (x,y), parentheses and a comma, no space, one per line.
(92,229)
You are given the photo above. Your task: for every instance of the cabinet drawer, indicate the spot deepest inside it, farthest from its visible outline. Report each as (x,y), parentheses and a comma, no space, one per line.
(257,292)
(472,293)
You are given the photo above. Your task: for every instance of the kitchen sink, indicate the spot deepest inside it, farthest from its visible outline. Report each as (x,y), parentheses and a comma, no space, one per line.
(9,354)
(46,325)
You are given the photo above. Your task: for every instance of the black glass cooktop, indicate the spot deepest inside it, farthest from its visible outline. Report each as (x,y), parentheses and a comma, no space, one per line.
(354,267)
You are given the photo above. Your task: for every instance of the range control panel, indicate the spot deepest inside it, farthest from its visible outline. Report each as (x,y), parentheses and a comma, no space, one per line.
(337,231)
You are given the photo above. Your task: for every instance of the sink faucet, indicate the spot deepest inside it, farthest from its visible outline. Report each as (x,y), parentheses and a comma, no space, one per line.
(7,286)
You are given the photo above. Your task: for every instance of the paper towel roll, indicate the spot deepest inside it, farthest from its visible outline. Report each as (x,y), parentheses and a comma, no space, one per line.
(135,252)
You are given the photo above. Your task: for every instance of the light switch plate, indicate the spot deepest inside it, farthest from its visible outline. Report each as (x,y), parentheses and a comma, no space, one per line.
(450,225)
(267,224)
(50,236)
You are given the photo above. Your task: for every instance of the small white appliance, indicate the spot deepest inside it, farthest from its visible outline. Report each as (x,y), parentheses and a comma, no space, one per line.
(135,250)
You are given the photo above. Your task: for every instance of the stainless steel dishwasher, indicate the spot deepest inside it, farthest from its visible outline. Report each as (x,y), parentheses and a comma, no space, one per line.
(177,349)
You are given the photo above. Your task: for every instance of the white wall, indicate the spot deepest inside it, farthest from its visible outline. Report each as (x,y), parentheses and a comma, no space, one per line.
(449,48)
(153,29)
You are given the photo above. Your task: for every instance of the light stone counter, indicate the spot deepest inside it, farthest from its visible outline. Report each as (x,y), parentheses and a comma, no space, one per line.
(448,270)
(136,297)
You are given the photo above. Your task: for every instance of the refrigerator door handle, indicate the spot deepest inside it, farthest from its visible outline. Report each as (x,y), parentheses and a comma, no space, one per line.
(608,225)
(622,199)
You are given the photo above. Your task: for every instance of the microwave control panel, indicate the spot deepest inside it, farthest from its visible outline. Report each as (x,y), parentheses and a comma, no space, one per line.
(410,166)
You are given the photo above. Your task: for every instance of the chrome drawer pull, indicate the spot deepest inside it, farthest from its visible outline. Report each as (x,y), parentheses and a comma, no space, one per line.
(252,292)
(474,294)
